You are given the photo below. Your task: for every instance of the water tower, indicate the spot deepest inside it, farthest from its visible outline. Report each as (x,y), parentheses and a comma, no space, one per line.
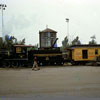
(47,37)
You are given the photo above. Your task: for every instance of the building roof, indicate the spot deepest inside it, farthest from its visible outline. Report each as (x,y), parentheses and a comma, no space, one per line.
(48,30)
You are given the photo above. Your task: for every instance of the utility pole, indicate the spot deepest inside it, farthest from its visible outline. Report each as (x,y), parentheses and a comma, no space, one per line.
(2,7)
(67,20)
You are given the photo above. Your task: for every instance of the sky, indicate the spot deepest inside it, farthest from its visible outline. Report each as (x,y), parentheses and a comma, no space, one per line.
(25,18)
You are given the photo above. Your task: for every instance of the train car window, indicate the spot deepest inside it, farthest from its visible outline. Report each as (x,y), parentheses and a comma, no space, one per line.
(18,50)
(96,51)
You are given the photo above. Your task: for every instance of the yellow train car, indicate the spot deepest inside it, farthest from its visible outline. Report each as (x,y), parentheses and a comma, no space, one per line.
(84,53)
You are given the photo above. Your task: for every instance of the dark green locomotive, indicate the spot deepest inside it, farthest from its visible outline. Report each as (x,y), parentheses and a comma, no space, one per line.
(16,56)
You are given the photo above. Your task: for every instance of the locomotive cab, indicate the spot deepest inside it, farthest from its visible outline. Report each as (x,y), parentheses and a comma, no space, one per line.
(20,51)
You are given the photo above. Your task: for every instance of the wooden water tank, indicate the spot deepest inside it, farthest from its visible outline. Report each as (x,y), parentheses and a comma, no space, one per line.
(47,38)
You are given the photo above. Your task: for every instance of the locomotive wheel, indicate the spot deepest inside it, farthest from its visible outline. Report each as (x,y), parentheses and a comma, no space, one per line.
(61,63)
(40,64)
(6,64)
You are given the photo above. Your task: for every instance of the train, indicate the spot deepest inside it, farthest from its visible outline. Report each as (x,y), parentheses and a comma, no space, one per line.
(48,53)
(21,55)
(83,54)
(16,56)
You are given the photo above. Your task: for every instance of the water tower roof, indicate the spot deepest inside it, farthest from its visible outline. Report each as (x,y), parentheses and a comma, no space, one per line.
(48,30)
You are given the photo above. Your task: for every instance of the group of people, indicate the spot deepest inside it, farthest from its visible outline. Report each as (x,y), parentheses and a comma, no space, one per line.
(35,65)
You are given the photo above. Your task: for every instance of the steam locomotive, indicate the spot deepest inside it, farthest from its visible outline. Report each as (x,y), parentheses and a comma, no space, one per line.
(16,56)
(20,55)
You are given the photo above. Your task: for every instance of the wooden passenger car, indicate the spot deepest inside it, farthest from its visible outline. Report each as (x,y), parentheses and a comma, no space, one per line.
(84,53)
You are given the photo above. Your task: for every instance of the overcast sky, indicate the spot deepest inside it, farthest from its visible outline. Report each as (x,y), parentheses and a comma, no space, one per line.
(24,19)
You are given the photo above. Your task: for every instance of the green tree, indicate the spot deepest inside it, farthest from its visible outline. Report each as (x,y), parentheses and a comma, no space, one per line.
(76,41)
(92,42)
(23,41)
(10,41)
(65,43)
(36,46)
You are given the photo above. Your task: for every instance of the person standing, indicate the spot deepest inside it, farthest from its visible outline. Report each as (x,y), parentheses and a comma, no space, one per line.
(35,65)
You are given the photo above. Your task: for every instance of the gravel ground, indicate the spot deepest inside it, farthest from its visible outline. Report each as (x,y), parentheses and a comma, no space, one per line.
(56,83)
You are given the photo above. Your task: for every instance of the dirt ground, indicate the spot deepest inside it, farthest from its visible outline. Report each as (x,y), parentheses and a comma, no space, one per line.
(81,81)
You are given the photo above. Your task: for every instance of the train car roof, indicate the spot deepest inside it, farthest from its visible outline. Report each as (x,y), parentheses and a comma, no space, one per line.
(23,46)
(85,46)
